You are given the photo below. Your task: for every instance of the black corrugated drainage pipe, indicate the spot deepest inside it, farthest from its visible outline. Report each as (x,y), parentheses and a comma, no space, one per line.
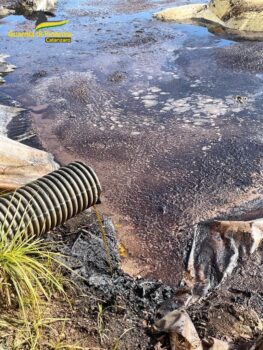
(50,201)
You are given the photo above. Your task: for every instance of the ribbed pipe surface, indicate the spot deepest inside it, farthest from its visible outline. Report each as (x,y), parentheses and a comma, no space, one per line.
(51,200)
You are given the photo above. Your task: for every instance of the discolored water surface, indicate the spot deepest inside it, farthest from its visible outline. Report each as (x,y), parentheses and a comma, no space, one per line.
(167,114)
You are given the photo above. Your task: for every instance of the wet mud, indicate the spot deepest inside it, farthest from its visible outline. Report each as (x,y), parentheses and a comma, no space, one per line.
(165,113)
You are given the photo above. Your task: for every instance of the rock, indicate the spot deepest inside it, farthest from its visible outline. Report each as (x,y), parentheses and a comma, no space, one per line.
(4,66)
(7,113)
(5,12)
(183,335)
(20,164)
(187,13)
(26,7)
(221,323)
(8,4)
(233,15)
(37,5)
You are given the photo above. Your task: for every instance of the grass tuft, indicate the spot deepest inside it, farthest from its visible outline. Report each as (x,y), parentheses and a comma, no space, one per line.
(27,264)
(26,269)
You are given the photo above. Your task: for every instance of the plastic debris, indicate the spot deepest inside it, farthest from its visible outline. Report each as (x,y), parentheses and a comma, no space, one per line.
(182,332)
(217,248)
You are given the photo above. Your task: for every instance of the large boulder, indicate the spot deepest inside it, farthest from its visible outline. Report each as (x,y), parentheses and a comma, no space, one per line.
(5,12)
(38,5)
(21,164)
(236,15)
(26,7)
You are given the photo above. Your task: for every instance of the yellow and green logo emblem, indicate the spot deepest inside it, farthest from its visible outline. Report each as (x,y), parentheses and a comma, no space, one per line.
(50,24)
(43,23)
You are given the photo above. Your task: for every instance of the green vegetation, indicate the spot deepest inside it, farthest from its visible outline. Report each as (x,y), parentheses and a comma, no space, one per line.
(36,311)
(26,272)
(29,276)
(100,324)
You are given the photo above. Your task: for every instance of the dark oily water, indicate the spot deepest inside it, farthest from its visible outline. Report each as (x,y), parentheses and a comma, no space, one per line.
(169,115)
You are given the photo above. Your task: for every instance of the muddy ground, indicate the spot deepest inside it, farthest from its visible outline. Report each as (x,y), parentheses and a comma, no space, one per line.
(169,116)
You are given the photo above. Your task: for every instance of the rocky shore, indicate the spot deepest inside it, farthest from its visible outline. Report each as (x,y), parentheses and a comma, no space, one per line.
(240,18)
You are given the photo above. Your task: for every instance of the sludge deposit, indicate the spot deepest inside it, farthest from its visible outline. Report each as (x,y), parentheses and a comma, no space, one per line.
(170,117)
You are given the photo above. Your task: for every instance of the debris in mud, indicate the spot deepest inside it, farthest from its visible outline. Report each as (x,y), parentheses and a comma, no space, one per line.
(218,247)
(183,334)
(7,113)
(222,289)
(38,75)
(5,67)
(226,260)
(215,323)
(141,39)
(87,256)
(127,303)
(238,17)
(221,317)
(116,77)
(11,110)
(240,99)
(229,317)
(92,110)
